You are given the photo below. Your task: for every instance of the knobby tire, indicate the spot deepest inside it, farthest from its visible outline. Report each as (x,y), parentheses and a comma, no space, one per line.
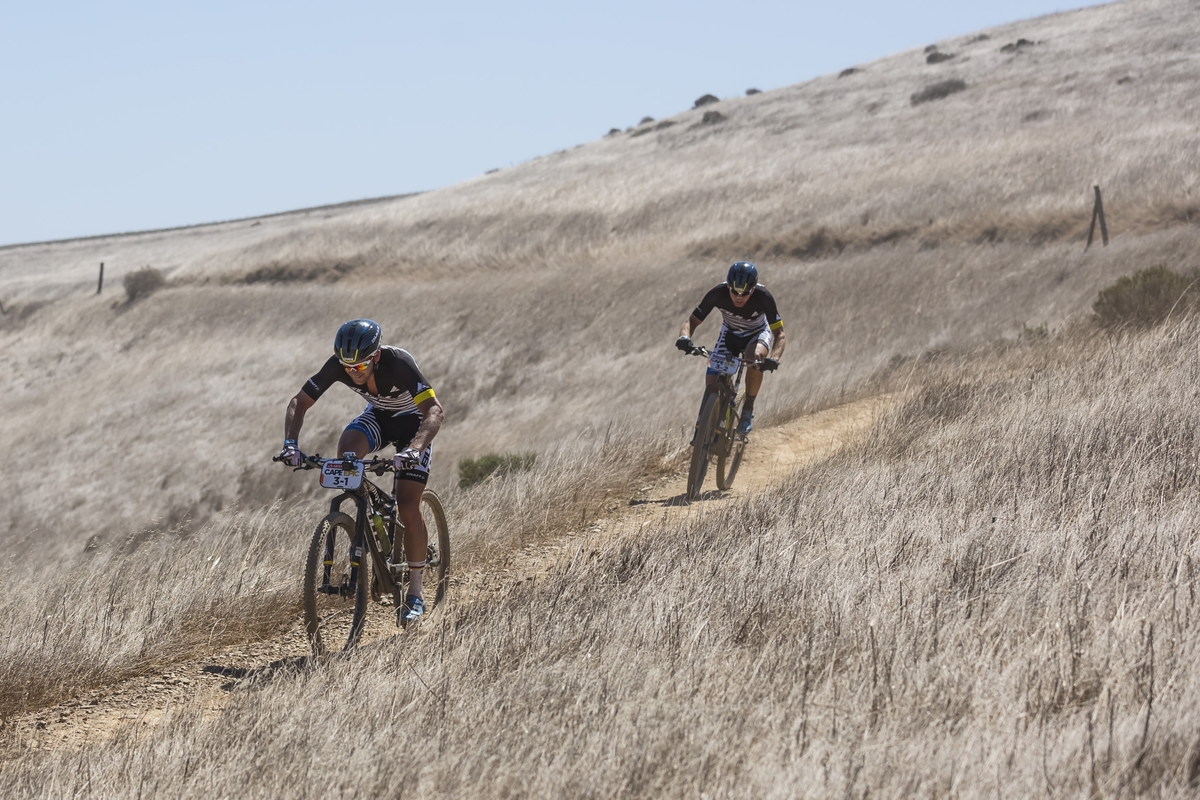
(438,531)
(702,449)
(322,611)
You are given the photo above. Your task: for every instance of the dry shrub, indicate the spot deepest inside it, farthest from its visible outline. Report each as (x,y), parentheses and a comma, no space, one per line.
(143,282)
(1146,298)
(937,91)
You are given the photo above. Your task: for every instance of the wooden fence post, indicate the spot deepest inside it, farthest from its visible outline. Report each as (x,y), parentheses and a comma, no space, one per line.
(100,285)
(1097,214)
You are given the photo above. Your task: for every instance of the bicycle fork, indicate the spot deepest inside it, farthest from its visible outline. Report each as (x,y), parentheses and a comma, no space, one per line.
(347,585)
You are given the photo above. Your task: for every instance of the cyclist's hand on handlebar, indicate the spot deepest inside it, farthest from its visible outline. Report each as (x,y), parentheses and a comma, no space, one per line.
(769,364)
(290,454)
(408,457)
(684,343)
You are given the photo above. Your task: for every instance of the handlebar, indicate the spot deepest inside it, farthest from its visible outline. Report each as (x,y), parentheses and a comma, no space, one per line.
(376,465)
(698,350)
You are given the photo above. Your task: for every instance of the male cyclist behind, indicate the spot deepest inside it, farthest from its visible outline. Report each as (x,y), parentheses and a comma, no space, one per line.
(751,327)
(401,410)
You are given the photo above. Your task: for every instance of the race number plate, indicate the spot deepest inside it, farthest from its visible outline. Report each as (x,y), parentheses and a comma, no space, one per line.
(335,475)
(723,363)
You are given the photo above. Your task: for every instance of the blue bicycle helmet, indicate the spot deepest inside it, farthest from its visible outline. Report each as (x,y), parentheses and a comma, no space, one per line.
(357,340)
(742,277)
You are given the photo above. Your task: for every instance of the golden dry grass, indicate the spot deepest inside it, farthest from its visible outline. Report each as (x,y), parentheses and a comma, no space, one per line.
(992,595)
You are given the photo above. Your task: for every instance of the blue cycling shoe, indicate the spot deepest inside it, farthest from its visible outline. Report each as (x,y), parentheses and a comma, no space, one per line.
(745,423)
(412,611)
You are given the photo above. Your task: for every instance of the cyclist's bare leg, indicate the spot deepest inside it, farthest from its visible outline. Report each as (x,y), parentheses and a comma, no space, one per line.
(756,352)
(353,441)
(416,538)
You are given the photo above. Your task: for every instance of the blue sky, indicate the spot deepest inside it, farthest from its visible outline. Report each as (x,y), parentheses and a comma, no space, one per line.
(128,116)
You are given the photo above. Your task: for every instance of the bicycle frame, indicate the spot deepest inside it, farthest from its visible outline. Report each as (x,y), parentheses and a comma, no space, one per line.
(367,498)
(716,428)
(729,391)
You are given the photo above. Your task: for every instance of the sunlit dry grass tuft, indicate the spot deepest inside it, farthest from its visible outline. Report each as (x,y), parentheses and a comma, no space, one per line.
(994,592)
(115,613)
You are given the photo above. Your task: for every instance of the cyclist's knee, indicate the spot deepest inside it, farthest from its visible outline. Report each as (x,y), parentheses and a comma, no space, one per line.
(353,441)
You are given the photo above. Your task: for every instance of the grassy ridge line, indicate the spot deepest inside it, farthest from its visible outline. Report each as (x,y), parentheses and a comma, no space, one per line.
(1012,157)
(993,593)
(177,598)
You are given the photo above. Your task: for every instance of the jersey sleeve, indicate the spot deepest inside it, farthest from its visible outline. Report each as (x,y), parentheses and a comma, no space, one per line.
(408,371)
(708,303)
(772,313)
(330,373)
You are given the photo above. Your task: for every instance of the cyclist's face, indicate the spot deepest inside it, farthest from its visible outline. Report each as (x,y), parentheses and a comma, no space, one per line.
(359,373)
(740,300)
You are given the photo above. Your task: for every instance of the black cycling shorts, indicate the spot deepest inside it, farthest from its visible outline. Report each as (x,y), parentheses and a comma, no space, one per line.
(382,429)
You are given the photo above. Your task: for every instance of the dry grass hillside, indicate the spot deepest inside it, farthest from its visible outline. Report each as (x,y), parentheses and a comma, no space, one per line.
(990,593)
(541,299)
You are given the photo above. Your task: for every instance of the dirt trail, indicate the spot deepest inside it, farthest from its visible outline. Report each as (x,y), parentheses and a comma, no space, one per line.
(205,683)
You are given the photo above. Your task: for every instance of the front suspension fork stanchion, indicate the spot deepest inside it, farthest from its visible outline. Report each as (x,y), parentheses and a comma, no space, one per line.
(356,544)
(330,541)
(335,506)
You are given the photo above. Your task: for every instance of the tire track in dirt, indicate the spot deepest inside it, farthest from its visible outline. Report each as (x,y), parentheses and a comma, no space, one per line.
(206,683)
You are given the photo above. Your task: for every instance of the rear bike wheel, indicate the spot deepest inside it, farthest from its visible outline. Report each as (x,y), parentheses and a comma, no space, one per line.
(335,592)
(704,442)
(732,446)
(437,555)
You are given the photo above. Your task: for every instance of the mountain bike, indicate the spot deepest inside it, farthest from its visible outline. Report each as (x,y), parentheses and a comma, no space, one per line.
(339,584)
(716,431)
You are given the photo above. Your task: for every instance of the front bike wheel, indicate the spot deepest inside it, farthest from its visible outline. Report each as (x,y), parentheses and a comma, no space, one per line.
(335,585)
(706,433)
(438,553)
(733,445)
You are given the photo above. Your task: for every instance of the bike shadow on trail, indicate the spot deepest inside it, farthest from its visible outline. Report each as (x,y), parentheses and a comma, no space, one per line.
(257,677)
(678,500)
(282,669)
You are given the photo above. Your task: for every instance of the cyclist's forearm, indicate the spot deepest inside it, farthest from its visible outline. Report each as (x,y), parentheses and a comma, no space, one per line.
(780,343)
(431,423)
(689,325)
(293,421)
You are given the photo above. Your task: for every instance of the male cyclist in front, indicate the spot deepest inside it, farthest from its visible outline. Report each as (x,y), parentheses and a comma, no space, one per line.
(751,327)
(401,410)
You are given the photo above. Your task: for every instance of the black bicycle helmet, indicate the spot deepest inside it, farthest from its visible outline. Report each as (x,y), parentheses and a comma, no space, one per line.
(742,277)
(356,340)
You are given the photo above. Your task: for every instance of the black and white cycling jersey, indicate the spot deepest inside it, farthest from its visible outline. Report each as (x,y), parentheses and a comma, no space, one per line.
(401,385)
(759,312)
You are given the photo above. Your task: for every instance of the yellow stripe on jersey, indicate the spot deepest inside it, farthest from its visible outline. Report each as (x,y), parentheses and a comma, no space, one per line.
(423,396)
(777,325)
